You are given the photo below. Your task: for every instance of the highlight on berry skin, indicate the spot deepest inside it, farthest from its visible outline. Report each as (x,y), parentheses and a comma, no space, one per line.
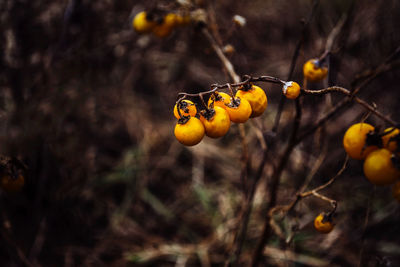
(291,90)
(354,141)
(142,24)
(313,70)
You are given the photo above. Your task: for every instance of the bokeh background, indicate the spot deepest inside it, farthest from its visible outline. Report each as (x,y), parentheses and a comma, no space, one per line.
(86,103)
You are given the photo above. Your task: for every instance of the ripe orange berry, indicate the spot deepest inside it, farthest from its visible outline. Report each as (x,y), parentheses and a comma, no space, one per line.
(189,131)
(141,24)
(182,20)
(171,20)
(220,99)
(388,140)
(187,108)
(291,90)
(256,97)
(313,71)
(239,111)
(354,140)
(12,184)
(162,30)
(379,168)
(216,122)
(323,223)
(396,191)
(165,28)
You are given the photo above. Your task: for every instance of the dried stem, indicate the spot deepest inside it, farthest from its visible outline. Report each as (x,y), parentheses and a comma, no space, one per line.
(313,192)
(225,61)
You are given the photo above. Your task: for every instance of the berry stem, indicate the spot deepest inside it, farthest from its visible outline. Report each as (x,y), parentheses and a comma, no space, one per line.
(203,102)
(235,103)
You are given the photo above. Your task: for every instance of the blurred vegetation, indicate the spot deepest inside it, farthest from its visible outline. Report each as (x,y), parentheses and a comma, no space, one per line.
(86,104)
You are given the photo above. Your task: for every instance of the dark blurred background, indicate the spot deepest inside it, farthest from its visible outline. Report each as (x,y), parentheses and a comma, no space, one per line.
(86,103)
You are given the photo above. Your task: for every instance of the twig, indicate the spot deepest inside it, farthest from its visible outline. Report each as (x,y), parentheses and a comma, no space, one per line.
(333,89)
(293,65)
(335,111)
(313,192)
(352,97)
(294,257)
(236,79)
(305,194)
(15,250)
(225,61)
(275,180)
(367,214)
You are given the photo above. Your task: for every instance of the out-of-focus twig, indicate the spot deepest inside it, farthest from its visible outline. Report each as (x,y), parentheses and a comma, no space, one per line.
(293,64)
(225,61)
(355,98)
(313,192)
(366,220)
(273,186)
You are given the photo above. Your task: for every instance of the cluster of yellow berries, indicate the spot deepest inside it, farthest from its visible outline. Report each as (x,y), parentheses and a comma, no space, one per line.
(250,101)
(313,70)
(379,151)
(161,26)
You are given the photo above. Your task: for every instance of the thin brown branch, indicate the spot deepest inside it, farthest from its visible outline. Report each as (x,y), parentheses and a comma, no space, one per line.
(332,37)
(351,97)
(274,185)
(225,61)
(245,156)
(366,220)
(301,194)
(370,72)
(293,64)
(335,111)
(305,194)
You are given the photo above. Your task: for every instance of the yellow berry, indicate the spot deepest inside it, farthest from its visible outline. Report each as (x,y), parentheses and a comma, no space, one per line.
(239,113)
(354,140)
(256,97)
(182,20)
(187,108)
(216,122)
(388,139)
(323,224)
(165,28)
(189,132)
(220,99)
(141,24)
(313,72)
(291,90)
(379,168)
(11,184)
